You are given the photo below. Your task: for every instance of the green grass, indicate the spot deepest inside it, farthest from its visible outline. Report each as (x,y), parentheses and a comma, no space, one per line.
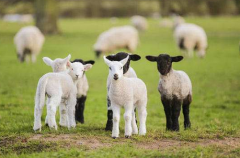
(214,110)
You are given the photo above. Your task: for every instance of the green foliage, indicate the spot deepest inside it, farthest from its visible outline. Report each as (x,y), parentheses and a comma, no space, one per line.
(214,112)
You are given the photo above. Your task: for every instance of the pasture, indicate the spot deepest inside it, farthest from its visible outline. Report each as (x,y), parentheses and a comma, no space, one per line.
(214,112)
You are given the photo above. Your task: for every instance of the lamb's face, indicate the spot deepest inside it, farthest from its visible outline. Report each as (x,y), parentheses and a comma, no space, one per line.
(77,70)
(201,53)
(116,67)
(164,62)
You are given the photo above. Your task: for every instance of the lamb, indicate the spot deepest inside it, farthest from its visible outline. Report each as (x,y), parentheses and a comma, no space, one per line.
(127,72)
(116,38)
(60,88)
(59,65)
(175,89)
(139,22)
(128,93)
(190,37)
(28,41)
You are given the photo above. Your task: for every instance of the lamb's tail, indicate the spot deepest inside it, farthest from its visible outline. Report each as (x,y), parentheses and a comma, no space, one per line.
(40,93)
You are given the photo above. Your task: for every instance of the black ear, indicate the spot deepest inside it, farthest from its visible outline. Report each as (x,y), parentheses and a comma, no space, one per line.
(151,58)
(177,58)
(111,57)
(89,62)
(134,57)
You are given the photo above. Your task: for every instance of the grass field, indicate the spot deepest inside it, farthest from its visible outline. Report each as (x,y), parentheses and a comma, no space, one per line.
(215,110)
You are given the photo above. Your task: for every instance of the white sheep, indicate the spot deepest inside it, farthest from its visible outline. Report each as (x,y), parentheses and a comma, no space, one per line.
(117,38)
(127,72)
(59,88)
(190,37)
(175,88)
(28,41)
(59,65)
(139,22)
(128,93)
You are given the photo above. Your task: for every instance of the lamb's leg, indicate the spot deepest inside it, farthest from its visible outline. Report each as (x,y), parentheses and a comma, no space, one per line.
(37,117)
(51,111)
(176,108)
(46,119)
(142,112)
(128,120)
(71,103)
(168,113)
(134,122)
(80,106)
(33,56)
(186,103)
(116,119)
(109,124)
(63,115)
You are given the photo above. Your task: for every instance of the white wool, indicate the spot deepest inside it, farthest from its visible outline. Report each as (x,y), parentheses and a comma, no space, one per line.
(117,38)
(31,38)
(128,93)
(175,83)
(139,22)
(193,35)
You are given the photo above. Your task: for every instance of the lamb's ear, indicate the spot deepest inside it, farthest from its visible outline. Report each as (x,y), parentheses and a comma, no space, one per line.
(87,67)
(134,57)
(68,64)
(89,62)
(108,62)
(151,58)
(47,61)
(67,58)
(177,58)
(124,61)
(111,57)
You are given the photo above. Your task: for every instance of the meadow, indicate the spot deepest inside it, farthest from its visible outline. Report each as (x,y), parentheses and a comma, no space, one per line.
(214,112)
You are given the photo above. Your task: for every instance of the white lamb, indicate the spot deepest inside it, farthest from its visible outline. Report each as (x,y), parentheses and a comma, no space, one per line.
(60,88)
(190,37)
(175,88)
(117,38)
(28,41)
(128,93)
(127,72)
(139,22)
(59,65)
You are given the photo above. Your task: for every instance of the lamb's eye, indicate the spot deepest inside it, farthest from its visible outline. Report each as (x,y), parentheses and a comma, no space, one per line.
(110,68)
(121,68)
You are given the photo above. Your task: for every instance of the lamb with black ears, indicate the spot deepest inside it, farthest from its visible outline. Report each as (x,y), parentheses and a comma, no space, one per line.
(175,88)
(127,72)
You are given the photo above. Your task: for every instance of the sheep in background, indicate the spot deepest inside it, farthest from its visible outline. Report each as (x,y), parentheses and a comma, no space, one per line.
(139,22)
(58,87)
(28,41)
(175,88)
(59,65)
(189,38)
(127,72)
(116,38)
(128,93)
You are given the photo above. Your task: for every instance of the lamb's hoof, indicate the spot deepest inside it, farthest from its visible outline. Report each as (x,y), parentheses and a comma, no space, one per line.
(109,126)
(114,137)
(46,124)
(127,136)
(37,130)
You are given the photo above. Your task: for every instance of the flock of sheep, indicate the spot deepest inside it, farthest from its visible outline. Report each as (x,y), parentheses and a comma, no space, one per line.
(67,85)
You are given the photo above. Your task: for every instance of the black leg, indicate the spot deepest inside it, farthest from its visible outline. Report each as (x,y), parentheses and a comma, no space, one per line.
(135,110)
(168,113)
(186,104)
(109,124)
(176,108)
(79,113)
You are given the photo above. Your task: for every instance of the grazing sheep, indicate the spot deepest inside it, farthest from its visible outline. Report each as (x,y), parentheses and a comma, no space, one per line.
(139,22)
(190,37)
(28,41)
(117,38)
(175,88)
(59,65)
(128,93)
(60,88)
(127,72)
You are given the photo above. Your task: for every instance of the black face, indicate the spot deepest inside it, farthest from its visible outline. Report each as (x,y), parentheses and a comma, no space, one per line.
(21,58)
(122,55)
(98,53)
(84,62)
(164,62)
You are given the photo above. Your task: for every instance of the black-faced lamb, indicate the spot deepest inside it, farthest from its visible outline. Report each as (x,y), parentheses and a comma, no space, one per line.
(175,88)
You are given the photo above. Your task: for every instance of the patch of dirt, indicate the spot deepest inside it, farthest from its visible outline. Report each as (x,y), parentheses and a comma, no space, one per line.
(72,140)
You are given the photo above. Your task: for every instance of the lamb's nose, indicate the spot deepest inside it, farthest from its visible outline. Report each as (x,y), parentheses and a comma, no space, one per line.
(115,76)
(77,76)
